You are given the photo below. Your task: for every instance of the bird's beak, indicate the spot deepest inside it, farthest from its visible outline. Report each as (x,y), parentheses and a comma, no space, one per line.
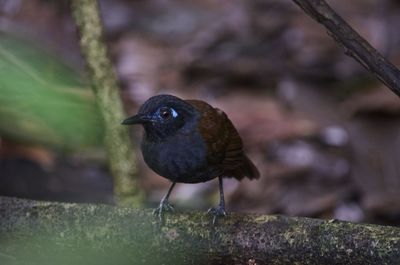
(136,119)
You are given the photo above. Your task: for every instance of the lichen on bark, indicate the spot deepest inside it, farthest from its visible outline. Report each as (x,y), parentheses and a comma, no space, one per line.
(118,144)
(45,233)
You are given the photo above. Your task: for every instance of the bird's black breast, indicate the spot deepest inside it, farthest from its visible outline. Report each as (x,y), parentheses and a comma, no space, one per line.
(180,158)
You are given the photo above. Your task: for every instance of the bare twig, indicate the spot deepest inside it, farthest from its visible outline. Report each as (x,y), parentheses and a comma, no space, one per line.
(60,233)
(355,46)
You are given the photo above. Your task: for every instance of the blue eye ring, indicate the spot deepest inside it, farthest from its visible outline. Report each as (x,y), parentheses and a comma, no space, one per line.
(174,113)
(166,113)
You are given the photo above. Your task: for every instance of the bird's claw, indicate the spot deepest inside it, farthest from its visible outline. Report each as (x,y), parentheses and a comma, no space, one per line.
(164,206)
(217,212)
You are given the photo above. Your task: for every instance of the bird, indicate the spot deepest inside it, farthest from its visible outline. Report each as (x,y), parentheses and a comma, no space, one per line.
(189,141)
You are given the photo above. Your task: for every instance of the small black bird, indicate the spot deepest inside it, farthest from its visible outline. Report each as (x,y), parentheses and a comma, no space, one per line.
(189,141)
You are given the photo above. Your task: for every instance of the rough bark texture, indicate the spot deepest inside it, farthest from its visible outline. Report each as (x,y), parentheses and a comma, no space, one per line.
(117,141)
(355,46)
(33,232)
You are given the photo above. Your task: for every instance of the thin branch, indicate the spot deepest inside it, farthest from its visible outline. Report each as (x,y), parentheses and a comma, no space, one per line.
(355,46)
(60,233)
(118,144)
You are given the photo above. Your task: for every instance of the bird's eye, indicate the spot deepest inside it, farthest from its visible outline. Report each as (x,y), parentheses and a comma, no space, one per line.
(166,113)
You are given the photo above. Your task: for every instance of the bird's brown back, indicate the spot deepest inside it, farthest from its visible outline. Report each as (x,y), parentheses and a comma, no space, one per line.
(224,145)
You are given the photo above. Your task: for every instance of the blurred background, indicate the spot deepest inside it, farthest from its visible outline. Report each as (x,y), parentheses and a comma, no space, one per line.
(323,131)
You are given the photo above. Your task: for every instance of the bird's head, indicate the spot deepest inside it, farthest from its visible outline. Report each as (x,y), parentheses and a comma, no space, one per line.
(162,116)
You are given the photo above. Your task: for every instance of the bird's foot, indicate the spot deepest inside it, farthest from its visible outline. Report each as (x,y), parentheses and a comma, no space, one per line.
(216,213)
(164,206)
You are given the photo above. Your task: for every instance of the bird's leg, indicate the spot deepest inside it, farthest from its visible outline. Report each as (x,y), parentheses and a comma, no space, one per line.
(219,211)
(164,206)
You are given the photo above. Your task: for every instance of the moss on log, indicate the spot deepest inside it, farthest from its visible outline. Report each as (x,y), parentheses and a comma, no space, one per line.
(33,232)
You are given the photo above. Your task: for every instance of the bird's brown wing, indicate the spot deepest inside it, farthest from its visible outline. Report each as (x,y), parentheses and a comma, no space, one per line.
(224,144)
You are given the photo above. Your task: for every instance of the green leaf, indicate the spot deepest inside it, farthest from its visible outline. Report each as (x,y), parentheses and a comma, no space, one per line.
(43,101)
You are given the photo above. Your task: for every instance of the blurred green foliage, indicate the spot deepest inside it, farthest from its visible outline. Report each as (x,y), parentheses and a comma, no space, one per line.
(43,101)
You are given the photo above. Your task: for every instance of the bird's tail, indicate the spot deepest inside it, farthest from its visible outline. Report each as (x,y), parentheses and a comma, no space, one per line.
(244,169)
(249,169)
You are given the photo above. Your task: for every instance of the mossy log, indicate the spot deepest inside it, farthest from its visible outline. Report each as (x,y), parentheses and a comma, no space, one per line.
(33,232)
